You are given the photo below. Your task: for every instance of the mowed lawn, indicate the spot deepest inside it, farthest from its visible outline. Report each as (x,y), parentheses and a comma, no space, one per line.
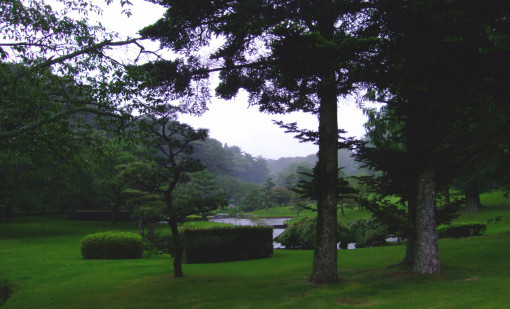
(40,258)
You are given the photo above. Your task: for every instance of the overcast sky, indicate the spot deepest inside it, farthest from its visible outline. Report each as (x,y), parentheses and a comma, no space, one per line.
(232,122)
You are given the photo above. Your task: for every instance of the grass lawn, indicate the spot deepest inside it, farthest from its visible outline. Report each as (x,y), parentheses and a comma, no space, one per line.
(40,258)
(350,214)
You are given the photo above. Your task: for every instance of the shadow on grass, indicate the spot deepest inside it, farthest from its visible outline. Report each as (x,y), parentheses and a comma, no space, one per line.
(6,291)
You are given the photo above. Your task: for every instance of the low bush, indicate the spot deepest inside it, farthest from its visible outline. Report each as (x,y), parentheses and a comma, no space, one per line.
(461,229)
(301,235)
(223,244)
(112,245)
(368,232)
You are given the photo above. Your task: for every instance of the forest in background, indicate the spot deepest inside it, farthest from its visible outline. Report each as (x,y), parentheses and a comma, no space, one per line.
(80,170)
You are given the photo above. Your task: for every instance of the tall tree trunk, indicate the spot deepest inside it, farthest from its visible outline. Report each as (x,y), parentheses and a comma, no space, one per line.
(177,243)
(150,232)
(325,269)
(473,203)
(115,211)
(446,193)
(411,221)
(426,255)
(140,227)
(116,203)
(178,249)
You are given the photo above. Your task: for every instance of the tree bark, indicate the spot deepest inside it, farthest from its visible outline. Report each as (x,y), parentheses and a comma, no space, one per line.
(150,232)
(473,203)
(325,269)
(447,194)
(140,227)
(178,249)
(411,221)
(426,253)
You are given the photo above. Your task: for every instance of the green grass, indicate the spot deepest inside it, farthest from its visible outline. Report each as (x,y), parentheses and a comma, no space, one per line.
(40,257)
(495,205)
(350,214)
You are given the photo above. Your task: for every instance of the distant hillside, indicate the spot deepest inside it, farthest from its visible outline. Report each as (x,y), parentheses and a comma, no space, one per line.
(276,166)
(344,160)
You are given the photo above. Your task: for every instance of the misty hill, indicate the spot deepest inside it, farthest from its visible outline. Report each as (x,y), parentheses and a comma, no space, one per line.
(345,160)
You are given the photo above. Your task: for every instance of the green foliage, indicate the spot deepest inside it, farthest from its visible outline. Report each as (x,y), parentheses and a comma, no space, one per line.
(301,234)
(199,193)
(253,200)
(112,245)
(228,244)
(368,232)
(461,229)
(230,161)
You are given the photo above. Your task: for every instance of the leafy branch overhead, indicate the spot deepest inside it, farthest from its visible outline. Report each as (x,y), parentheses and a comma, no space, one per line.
(54,67)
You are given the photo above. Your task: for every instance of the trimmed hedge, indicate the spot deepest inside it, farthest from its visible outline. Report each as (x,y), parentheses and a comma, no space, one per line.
(112,245)
(222,244)
(461,229)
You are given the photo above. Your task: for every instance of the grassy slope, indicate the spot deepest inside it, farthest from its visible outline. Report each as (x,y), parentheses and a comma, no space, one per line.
(41,257)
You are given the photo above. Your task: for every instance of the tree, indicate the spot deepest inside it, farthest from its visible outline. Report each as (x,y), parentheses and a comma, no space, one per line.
(53,66)
(281,196)
(171,142)
(200,192)
(288,56)
(106,155)
(147,207)
(267,191)
(253,199)
(424,47)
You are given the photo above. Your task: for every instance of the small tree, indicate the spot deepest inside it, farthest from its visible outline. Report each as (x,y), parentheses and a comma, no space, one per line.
(146,208)
(200,192)
(253,199)
(267,191)
(171,143)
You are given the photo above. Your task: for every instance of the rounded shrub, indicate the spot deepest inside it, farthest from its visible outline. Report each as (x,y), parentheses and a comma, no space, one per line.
(301,234)
(112,245)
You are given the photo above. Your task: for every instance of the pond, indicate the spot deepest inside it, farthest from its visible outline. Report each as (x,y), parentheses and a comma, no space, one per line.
(278,225)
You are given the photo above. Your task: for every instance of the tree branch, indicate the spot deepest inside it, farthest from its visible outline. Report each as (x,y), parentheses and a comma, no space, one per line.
(86,50)
(37,124)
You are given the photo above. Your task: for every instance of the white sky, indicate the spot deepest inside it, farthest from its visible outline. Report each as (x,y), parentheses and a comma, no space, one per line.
(232,122)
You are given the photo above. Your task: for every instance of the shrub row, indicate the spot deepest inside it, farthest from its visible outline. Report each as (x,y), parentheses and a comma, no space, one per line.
(222,244)
(461,229)
(112,245)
